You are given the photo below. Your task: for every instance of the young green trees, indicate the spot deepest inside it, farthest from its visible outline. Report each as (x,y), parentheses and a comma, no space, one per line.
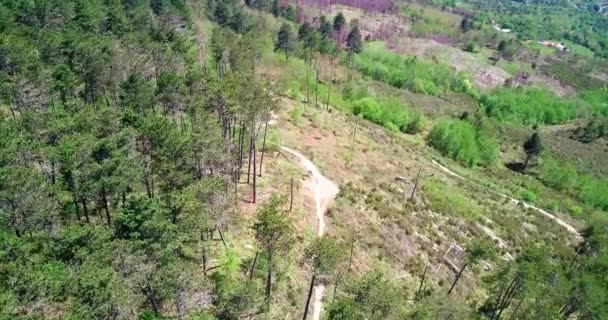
(274,233)
(323,255)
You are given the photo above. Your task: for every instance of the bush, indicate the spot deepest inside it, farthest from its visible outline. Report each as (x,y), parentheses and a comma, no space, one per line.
(530,106)
(528,195)
(560,176)
(461,141)
(389,113)
(296,114)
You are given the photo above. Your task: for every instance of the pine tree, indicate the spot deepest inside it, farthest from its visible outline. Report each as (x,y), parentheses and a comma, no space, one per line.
(221,13)
(284,40)
(325,27)
(532,147)
(354,42)
(276,9)
(273,232)
(339,22)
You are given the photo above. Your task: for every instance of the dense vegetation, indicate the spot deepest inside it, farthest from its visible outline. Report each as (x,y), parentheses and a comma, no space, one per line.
(119,159)
(464,142)
(413,74)
(564,176)
(125,137)
(528,106)
(389,113)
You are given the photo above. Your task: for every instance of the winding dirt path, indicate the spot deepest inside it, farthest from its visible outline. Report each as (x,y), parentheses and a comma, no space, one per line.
(324,191)
(559,221)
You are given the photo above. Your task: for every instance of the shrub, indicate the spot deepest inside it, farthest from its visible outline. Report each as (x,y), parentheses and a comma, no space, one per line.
(528,195)
(389,113)
(560,176)
(530,106)
(461,141)
(296,114)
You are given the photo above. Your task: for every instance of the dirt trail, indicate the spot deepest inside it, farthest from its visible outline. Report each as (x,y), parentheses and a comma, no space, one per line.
(324,191)
(559,221)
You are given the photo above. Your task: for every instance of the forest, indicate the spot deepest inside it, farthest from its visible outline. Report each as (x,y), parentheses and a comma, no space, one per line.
(140,162)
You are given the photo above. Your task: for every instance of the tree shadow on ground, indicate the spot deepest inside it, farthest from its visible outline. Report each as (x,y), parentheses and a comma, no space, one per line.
(515,166)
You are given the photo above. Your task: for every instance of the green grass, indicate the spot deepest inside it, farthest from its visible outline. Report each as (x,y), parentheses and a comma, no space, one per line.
(447,199)
(578,49)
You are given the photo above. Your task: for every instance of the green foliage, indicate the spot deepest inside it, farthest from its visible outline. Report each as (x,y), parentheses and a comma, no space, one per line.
(371,296)
(411,73)
(272,229)
(461,141)
(563,176)
(296,114)
(528,107)
(324,255)
(449,200)
(597,101)
(387,112)
(528,196)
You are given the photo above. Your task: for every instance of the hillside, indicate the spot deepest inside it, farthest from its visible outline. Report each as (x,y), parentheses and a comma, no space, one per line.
(314,159)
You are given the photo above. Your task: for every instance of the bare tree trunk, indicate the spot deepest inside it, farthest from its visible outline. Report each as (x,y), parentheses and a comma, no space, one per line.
(76,207)
(316,85)
(415,185)
(263,148)
(269,278)
(53,172)
(255,260)
(250,156)
(291,196)
(312,285)
(417,297)
(105,205)
(205,259)
(526,162)
(457,278)
(307,90)
(86,210)
(352,250)
(254,173)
